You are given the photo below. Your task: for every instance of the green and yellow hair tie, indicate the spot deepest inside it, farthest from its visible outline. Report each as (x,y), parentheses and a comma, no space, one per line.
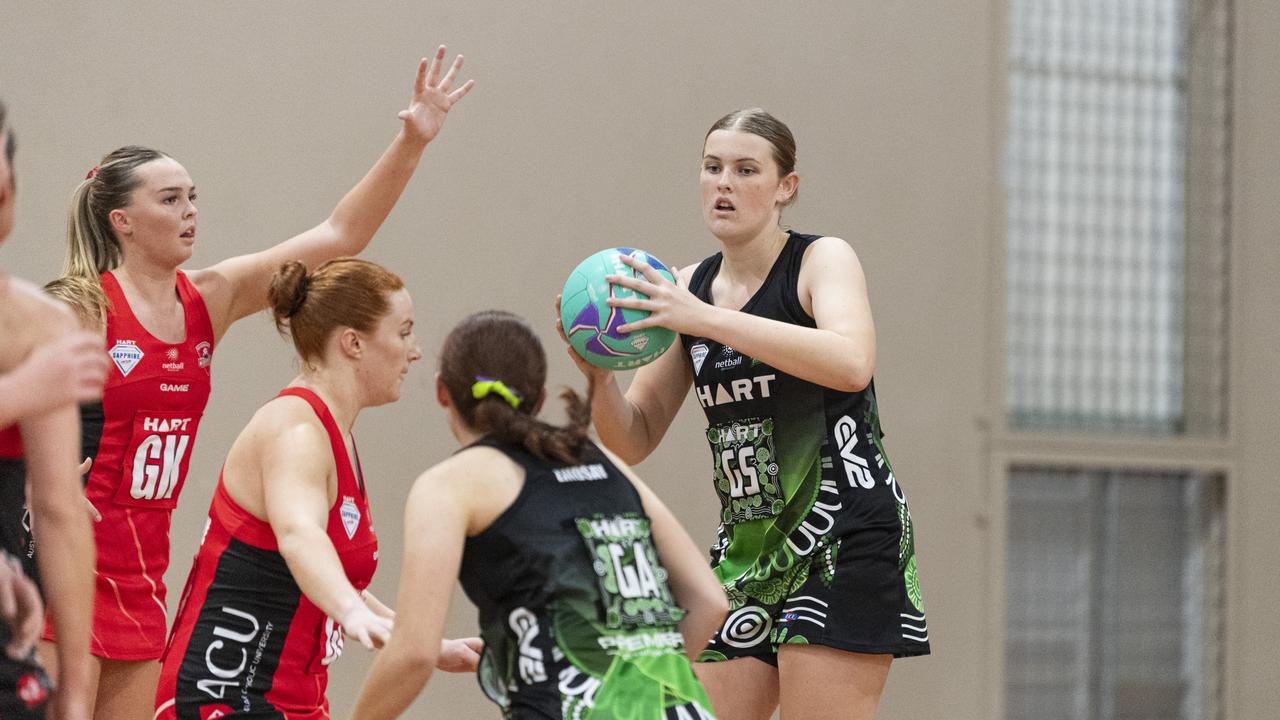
(483,386)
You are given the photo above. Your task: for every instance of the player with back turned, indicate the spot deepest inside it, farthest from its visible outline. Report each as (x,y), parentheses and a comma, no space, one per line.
(591,596)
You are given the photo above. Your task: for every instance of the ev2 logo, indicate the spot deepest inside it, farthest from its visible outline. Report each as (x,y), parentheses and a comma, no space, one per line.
(855,467)
(525,625)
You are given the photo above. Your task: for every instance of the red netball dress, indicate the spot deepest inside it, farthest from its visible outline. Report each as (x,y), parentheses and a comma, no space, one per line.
(152,403)
(246,640)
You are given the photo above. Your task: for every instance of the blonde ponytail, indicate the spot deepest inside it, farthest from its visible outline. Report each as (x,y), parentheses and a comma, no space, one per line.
(92,246)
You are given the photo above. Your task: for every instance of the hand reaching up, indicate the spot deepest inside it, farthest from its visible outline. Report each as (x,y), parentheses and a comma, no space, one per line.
(433,97)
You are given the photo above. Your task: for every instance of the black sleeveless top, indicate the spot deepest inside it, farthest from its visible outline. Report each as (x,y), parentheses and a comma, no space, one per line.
(574,606)
(795,464)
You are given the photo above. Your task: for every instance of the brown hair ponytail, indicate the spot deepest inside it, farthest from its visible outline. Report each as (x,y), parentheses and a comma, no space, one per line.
(497,345)
(344,292)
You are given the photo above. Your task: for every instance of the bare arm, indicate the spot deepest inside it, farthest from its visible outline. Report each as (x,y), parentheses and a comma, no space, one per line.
(633,424)
(51,444)
(435,527)
(62,365)
(839,353)
(295,469)
(689,575)
(237,287)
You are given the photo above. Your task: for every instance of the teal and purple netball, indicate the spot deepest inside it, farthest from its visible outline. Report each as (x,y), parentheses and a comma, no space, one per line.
(592,325)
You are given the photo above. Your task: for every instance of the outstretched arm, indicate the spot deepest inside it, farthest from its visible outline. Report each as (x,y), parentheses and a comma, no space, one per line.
(237,287)
(435,527)
(456,656)
(295,489)
(839,353)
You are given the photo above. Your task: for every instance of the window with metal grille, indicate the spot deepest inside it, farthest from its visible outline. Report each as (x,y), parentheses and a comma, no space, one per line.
(1113,595)
(1116,172)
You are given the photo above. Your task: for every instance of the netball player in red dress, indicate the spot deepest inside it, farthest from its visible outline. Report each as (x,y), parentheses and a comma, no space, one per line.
(133,223)
(46,366)
(290,545)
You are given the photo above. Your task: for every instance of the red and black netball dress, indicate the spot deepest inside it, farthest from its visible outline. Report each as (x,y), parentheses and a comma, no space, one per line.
(152,403)
(24,688)
(15,521)
(247,642)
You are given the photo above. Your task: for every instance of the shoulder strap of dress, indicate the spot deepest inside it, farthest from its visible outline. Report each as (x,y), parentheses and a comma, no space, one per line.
(700,282)
(346,475)
(110,286)
(119,314)
(197,314)
(791,262)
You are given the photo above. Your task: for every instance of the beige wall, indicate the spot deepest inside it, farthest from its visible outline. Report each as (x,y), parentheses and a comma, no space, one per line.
(1253,626)
(584,131)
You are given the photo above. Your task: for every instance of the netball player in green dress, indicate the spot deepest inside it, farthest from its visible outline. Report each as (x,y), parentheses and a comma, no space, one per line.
(816,551)
(592,598)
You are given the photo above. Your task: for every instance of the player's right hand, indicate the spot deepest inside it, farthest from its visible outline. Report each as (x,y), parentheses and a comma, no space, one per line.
(361,623)
(71,369)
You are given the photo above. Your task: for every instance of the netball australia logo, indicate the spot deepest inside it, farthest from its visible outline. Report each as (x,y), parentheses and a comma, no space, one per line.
(350,515)
(698,353)
(126,355)
(730,358)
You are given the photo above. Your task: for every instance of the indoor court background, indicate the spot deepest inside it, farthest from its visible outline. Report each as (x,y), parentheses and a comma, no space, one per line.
(1076,375)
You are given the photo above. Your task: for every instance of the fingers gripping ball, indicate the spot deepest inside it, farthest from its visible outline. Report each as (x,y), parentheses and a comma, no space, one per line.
(592,325)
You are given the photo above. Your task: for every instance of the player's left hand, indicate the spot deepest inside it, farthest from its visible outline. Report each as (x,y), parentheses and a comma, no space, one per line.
(461,655)
(669,305)
(433,97)
(20,608)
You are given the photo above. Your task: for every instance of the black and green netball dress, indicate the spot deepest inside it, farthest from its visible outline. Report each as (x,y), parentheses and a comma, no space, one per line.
(815,541)
(575,613)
